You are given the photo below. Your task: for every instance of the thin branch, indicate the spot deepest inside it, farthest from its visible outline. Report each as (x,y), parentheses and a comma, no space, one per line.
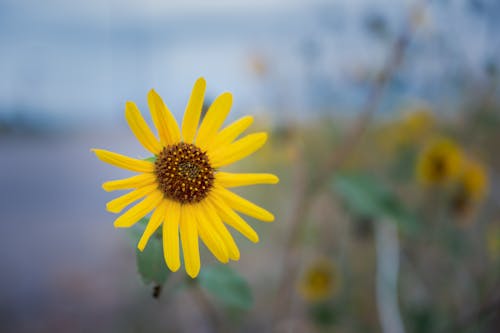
(308,188)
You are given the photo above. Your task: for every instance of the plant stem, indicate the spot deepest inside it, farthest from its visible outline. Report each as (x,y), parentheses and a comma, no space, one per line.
(387,244)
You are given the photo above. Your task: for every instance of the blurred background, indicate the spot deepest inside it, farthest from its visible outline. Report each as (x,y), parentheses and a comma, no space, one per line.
(384,128)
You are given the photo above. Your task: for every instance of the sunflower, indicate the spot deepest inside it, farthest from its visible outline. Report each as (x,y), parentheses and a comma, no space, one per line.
(474,180)
(439,163)
(319,281)
(470,187)
(182,186)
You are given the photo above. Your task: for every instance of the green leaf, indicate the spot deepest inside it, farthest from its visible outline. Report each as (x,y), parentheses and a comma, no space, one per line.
(227,286)
(368,196)
(150,159)
(323,314)
(150,263)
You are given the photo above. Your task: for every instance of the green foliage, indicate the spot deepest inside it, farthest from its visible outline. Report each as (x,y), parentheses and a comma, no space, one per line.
(227,286)
(367,196)
(421,319)
(150,263)
(323,314)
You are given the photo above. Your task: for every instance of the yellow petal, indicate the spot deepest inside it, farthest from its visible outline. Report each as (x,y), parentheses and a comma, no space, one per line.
(213,120)
(131,182)
(154,223)
(231,132)
(234,220)
(164,121)
(210,237)
(193,111)
(243,206)
(237,150)
(141,129)
(189,237)
(124,162)
(227,179)
(171,235)
(134,214)
(118,204)
(211,213)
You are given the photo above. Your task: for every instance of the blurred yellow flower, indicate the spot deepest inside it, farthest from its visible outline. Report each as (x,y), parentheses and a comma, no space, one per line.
(412,128)
(319,281)
(439,163)
(183,186)
(471,187)
(417,122)
(474,180)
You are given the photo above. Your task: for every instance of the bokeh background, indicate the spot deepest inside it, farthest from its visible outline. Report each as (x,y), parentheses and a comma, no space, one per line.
(357,96)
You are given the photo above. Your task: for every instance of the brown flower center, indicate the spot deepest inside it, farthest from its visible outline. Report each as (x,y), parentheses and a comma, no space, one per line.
(184,173)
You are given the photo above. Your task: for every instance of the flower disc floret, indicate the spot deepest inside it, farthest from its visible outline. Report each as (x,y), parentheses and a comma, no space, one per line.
(184,173)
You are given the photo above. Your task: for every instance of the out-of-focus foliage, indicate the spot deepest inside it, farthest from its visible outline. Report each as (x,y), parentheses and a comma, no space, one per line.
(227,286)
(368,197)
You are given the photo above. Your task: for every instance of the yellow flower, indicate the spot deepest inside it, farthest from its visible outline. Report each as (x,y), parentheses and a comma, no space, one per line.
(418,122)
(319,281)
(474,180)
(471,187)
(409,130)
(439,163)
(182,186)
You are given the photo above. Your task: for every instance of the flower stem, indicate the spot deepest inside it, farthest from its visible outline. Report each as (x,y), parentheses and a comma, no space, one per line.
(387,244)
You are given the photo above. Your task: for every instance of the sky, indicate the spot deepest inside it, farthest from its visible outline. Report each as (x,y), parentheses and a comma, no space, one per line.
(79,61)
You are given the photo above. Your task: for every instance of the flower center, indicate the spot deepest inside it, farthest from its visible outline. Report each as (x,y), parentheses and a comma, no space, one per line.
(184,173)
(438,167)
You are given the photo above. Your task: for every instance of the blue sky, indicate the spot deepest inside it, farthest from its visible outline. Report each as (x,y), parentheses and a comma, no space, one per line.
(80,61)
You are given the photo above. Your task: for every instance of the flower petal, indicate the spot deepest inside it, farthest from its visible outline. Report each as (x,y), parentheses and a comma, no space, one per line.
(243,206)
(131,182)
(237,150)
(134,214)
(234,220)
(140,129)
(193,111)
(213,120)
(230,132)
(164,121)
(210,237)
(189,237)
(123,161)
(154,223)
(118,204)
(227,179)
(171,235)
(211,213)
